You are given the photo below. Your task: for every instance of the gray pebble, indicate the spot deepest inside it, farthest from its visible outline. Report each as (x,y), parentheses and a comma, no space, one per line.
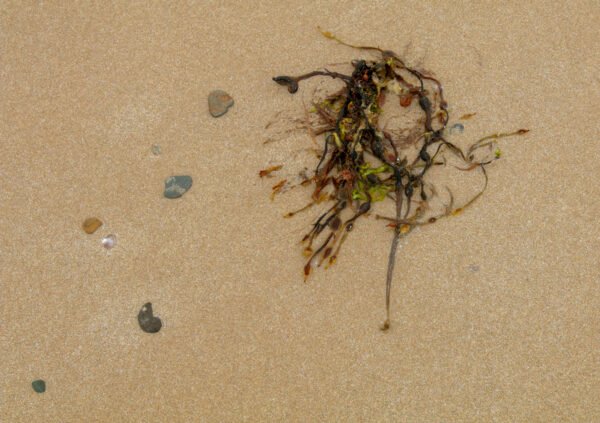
(219,102)
(457,128)
(176,186)
(148,322)
(474,268)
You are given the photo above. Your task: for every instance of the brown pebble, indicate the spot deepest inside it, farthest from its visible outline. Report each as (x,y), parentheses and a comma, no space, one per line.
(91,225)
(219,102)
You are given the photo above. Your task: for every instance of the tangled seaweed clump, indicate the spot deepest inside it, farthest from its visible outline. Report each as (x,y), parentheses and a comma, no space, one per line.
(363,163)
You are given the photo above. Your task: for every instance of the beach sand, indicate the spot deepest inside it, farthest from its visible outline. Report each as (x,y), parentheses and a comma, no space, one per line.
(495,313)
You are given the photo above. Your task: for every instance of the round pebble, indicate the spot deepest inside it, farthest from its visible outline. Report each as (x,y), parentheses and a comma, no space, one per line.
(219,102)
(148,322)
(176,186)
(39,386)
(91,225)
(109,241)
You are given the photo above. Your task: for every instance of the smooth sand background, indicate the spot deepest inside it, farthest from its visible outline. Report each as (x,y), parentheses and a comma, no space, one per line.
(87,88)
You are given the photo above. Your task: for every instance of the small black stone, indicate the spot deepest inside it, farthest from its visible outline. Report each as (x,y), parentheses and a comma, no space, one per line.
(39,386)
(148,322)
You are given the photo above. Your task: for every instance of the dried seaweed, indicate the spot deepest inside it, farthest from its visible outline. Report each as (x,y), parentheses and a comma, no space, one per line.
(363,163)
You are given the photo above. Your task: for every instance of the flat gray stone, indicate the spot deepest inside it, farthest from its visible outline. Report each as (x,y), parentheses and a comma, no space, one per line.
(457,128)
(176,186)
(219,102)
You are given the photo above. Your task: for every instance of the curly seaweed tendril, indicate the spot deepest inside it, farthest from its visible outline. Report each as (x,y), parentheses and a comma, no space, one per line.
(361,163)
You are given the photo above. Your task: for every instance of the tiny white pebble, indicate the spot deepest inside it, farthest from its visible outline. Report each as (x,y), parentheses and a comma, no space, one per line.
(109,241)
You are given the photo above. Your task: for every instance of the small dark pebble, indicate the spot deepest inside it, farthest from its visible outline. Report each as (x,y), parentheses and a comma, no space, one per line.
(148,322)
(219,102)
(39,386)
(176,186)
